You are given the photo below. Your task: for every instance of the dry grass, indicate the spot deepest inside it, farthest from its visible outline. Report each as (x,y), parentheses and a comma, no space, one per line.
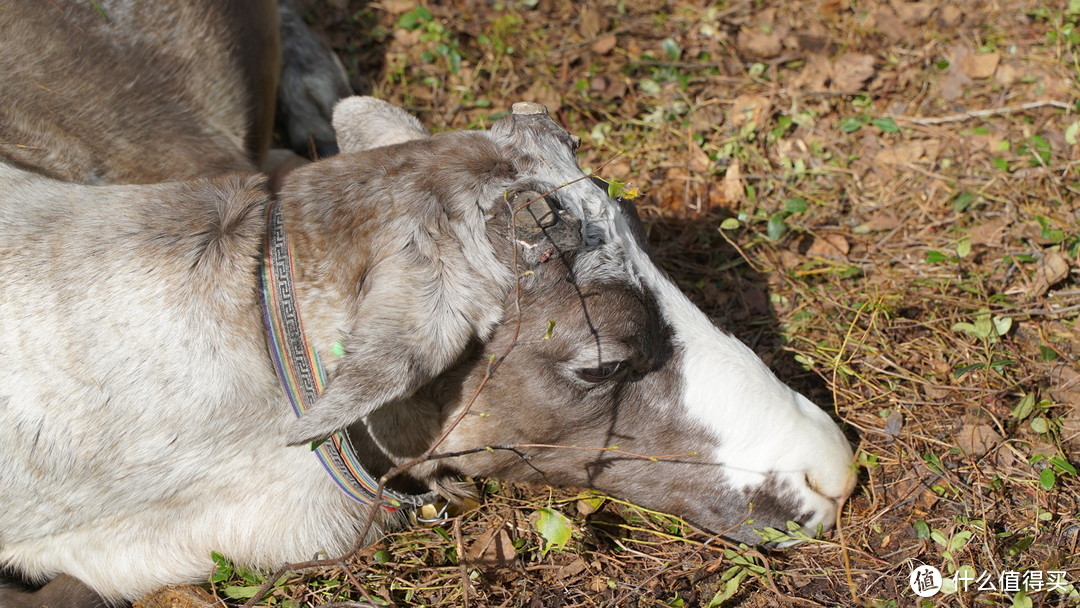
(889,143)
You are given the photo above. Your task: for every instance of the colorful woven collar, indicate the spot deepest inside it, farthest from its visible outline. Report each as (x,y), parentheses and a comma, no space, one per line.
(302,375)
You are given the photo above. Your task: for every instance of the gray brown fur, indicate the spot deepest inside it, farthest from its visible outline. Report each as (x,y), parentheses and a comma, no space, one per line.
(141,92)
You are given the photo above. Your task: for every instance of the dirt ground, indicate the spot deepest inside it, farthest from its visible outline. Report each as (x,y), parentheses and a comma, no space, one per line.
(881,198)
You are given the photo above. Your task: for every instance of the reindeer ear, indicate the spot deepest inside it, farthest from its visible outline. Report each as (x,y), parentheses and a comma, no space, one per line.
(437,289)
(362,123)
(413,323)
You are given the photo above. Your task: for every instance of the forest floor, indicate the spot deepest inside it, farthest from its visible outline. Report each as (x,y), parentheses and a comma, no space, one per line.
(881,198)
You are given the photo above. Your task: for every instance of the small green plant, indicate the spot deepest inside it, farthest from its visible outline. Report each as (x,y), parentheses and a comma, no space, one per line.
(794,533)
(961,250)
(445,43)
(743,567)
(234,581)
(776,226)
(1052,468)
(986,326)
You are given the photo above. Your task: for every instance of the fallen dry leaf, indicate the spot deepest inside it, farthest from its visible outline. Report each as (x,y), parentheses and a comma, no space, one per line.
(914,13)
(492,550)
(887,22)
(956,80)
(733,185)
(977,439)
(574,567)
(832,246)
(590,22)
(908,152)
(396,7)
(851,70)
(949,16)
(979,65)
(748,108)
(1053,267)
(605,45)
(989,233)
(815,75)
(699,160)
(894,423)
(1066,389)
(759,44)
(1008,74)
(1070,427)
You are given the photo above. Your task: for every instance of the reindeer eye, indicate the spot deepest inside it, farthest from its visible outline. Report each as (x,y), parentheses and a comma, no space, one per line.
(606,371)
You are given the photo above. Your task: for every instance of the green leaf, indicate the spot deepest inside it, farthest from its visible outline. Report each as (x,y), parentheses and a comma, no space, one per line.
(730,588)
(1047,354)
(1047,478)
(223,568)
(730,224)
(1072,132)
(100,10)
(936,257)
(886,125)
(441,531)
(1025,406)
(922,529)
(650,86)
(850,125)
(550,330)
(1062,465)
(1021,545)
(553,527)
(963,248)
(795,205)
(958,541)
(617,189)
(414,18)
(1040,147)
(772,535)
(1002,325)
(1039,425)
(967,328)
(671,49)
(1021,600)
(962,201)
(934,462)
(963,369)
(776,226)
(240,593)
(1000,163)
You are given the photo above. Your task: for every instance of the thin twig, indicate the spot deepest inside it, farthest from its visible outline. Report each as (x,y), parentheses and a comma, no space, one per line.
(463,568)
(918,120)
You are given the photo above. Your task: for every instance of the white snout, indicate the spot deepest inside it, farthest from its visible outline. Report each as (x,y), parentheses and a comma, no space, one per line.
(831,470)
(765,430)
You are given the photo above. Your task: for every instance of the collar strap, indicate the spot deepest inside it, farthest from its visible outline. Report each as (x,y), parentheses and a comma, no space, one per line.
(302,375)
